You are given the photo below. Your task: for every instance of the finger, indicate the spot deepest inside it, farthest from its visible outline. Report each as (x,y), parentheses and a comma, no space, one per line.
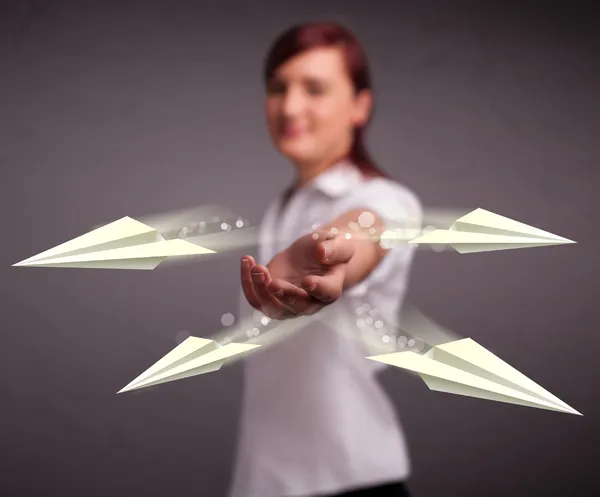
(335,251)
(327,288)
(261,278)
(315,307)
(291,296)
(279,287)
(247,263)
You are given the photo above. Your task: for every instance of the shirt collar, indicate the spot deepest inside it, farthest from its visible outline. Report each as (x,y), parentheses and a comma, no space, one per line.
(338,180)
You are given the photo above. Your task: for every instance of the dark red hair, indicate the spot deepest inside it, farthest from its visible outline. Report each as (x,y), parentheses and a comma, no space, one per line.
(307,36)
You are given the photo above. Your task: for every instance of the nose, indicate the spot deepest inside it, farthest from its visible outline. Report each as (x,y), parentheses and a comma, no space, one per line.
(293,102)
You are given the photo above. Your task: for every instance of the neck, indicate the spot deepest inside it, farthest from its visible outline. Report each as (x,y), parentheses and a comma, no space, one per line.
(307,172)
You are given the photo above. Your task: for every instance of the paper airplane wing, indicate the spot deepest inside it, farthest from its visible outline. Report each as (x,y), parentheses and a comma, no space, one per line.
(483,231)
(466,242)
(189,349)
(192,357)
(123,244)
(484,221)
(463,367)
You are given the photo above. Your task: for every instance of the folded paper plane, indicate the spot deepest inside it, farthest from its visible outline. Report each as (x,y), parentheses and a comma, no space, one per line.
(482,231)
(123,244)
(464,367)
(192,357)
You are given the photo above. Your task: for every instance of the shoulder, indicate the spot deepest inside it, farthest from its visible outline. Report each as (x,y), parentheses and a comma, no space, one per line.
(399,192)
(389,197)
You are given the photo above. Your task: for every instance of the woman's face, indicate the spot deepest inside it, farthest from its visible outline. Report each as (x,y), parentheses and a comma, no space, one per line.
(312,107)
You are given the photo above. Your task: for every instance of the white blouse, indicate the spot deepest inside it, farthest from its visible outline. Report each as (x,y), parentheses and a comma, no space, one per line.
(314,419)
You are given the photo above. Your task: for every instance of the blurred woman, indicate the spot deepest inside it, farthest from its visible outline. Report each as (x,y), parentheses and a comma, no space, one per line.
(315,421)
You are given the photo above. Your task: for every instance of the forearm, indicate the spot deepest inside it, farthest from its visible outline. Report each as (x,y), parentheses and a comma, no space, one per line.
(361,229)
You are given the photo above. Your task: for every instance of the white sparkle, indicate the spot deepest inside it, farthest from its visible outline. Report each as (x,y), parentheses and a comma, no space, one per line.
(366,219)
(386,244)
(227,319)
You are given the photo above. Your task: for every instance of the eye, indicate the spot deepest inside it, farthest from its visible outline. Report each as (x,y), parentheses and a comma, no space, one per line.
(276,87)
(314,88)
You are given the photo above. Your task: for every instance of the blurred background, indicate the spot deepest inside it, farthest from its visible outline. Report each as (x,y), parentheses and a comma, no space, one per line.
(118,108)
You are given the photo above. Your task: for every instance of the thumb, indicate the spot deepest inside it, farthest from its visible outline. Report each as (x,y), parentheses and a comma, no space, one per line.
(337,250)
(326,288)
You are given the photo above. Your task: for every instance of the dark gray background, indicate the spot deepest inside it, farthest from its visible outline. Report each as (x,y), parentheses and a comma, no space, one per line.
(132,108)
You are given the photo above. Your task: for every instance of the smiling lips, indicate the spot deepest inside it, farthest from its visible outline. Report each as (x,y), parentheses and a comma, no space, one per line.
(291,132)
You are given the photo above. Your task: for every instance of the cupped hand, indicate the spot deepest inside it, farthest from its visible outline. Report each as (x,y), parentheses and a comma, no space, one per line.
(301,279)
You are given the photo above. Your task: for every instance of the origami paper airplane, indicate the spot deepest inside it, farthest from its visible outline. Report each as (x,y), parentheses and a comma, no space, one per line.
(123,244)
(481,231)
(197,356)
(192,357)
(464,367)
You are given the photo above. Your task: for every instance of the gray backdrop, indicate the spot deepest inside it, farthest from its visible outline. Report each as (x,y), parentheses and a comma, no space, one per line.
(131,108)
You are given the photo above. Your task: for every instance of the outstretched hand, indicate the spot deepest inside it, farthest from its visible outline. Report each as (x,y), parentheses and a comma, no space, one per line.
(301,279)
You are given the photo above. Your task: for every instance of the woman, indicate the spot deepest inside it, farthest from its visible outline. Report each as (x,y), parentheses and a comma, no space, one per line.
(315,422)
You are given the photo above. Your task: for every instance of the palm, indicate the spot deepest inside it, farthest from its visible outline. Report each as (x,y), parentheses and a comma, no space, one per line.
(300,260)
(298,280)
